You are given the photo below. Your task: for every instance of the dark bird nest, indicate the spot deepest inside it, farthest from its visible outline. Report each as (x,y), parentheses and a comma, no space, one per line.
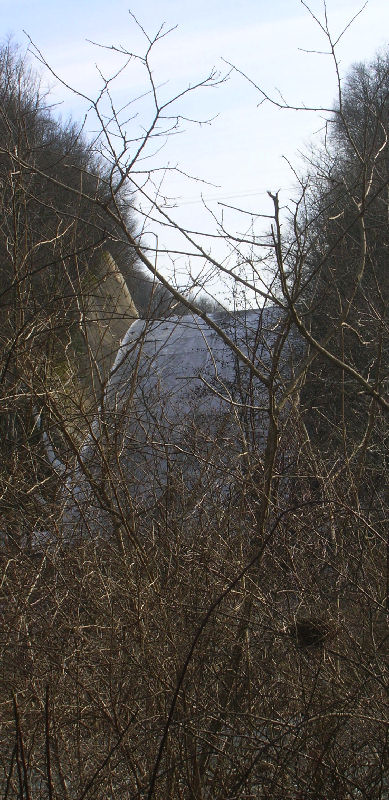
(311,631)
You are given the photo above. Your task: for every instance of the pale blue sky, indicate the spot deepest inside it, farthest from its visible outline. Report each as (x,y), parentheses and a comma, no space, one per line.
(241,153)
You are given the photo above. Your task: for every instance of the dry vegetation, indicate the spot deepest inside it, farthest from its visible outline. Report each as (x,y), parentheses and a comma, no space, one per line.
(229,638)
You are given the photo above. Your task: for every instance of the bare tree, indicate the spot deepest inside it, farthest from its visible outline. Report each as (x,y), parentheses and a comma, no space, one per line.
(198,604)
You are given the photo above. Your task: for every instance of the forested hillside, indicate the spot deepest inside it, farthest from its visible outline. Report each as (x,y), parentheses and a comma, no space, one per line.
(194,555)
(347,268)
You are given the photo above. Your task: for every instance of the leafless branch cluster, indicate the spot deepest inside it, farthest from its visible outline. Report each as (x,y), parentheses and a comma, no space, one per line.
(194,556)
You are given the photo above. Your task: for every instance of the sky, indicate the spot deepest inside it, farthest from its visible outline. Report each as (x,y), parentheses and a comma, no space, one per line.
(245,150)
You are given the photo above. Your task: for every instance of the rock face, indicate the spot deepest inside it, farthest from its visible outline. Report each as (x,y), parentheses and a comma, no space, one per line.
(180,408)
(109,312)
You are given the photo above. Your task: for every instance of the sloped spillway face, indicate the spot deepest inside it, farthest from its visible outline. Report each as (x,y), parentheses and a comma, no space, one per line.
(181,412)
